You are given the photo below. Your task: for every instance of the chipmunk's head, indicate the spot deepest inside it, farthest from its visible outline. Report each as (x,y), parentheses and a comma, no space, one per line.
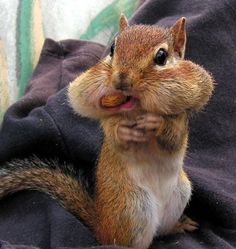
(146,68)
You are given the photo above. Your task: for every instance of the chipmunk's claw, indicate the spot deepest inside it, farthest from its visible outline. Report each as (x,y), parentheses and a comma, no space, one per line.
(149,122)
(185,224)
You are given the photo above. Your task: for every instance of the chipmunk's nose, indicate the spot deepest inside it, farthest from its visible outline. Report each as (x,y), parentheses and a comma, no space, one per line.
(123,82)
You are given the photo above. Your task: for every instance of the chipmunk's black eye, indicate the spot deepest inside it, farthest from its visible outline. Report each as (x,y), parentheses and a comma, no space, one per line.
(160,57)
(112,49)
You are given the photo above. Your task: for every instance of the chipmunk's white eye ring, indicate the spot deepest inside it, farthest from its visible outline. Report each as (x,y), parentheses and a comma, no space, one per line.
(112,49)
(161,57)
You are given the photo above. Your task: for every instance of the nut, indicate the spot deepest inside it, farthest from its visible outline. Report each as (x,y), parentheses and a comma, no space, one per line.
(112,100)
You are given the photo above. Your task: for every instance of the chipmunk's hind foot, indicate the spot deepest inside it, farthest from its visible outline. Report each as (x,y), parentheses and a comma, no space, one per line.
(185,224)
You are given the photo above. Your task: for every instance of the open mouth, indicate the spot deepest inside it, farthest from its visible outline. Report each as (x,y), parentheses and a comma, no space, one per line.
(117,102)
(128,103)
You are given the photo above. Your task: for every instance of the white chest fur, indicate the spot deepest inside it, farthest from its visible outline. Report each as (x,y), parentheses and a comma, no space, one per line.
(166,196)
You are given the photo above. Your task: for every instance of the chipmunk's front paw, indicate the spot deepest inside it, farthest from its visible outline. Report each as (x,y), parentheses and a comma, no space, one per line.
(185,224)
(149,123)
(127,132)
(140,130)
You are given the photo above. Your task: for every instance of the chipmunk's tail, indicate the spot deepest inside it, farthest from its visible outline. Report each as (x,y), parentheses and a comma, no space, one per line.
(46,176)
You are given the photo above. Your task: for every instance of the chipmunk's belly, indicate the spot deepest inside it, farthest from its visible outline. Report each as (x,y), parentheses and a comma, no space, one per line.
(165,196)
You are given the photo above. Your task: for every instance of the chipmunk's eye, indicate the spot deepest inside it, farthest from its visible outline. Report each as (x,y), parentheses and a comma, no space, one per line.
(160,57)
(112,49)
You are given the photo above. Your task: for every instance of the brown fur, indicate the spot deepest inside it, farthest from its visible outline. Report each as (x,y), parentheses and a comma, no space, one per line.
(112,227)
(173,133)
(54,182)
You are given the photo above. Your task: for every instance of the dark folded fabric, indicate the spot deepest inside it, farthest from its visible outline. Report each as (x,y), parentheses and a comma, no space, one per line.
(43,123)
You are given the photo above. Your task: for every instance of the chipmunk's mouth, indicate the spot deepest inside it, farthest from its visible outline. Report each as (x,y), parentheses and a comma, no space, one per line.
(126,104)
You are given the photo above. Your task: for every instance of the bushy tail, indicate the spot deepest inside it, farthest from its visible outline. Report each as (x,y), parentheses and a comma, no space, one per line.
(46,176)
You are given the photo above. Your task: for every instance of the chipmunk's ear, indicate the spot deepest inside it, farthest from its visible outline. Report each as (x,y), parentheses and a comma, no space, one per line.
(178,32)
(123,22)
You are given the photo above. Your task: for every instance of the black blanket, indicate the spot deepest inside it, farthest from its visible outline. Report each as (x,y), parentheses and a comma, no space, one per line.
(42,123)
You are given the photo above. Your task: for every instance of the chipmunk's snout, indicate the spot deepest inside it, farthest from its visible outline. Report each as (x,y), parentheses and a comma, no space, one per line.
(123,86)
(122,82)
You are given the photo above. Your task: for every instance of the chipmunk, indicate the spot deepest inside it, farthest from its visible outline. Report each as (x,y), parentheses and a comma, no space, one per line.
(142,93)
